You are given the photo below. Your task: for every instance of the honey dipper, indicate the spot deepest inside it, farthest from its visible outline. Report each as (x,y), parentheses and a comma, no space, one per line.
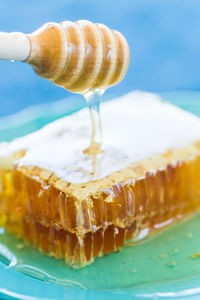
(75,55)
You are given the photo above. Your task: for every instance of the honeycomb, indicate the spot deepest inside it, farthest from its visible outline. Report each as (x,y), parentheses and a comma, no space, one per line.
(37,206)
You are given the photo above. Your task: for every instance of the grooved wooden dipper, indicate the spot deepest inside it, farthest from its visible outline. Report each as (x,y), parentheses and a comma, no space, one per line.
(75,55)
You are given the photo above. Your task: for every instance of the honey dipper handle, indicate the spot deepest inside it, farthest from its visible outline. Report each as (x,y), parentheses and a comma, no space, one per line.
(14,46)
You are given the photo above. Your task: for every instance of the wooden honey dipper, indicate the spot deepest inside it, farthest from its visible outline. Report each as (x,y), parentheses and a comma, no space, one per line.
(75,55)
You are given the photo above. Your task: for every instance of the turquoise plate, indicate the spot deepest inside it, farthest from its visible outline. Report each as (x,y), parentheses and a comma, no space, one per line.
(166,265)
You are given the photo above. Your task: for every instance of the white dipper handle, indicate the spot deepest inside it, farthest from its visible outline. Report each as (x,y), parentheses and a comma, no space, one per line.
(14,46)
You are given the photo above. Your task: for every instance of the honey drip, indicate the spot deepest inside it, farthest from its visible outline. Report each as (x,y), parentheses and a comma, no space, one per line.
(93,98)
(89,163)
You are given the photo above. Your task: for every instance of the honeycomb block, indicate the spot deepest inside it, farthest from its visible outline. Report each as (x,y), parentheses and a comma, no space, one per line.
(63,226)
(77,214)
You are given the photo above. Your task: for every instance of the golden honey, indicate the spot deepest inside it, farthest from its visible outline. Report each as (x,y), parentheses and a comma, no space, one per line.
(80,230)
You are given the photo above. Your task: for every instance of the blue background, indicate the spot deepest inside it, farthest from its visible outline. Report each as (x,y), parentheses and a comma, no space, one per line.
(164,38)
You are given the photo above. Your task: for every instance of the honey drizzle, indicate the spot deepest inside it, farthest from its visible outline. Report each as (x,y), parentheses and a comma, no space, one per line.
(93,98)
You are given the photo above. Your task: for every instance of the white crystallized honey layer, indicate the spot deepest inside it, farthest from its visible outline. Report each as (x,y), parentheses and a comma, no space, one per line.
(136,127)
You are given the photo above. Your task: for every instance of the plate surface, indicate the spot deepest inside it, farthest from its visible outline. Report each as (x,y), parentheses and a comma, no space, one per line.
(161,266)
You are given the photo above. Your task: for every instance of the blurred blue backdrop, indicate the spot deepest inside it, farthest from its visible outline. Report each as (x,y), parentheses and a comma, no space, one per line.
(164,38)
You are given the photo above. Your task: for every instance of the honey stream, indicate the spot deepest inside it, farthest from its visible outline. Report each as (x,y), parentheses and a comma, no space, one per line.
(93,98)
